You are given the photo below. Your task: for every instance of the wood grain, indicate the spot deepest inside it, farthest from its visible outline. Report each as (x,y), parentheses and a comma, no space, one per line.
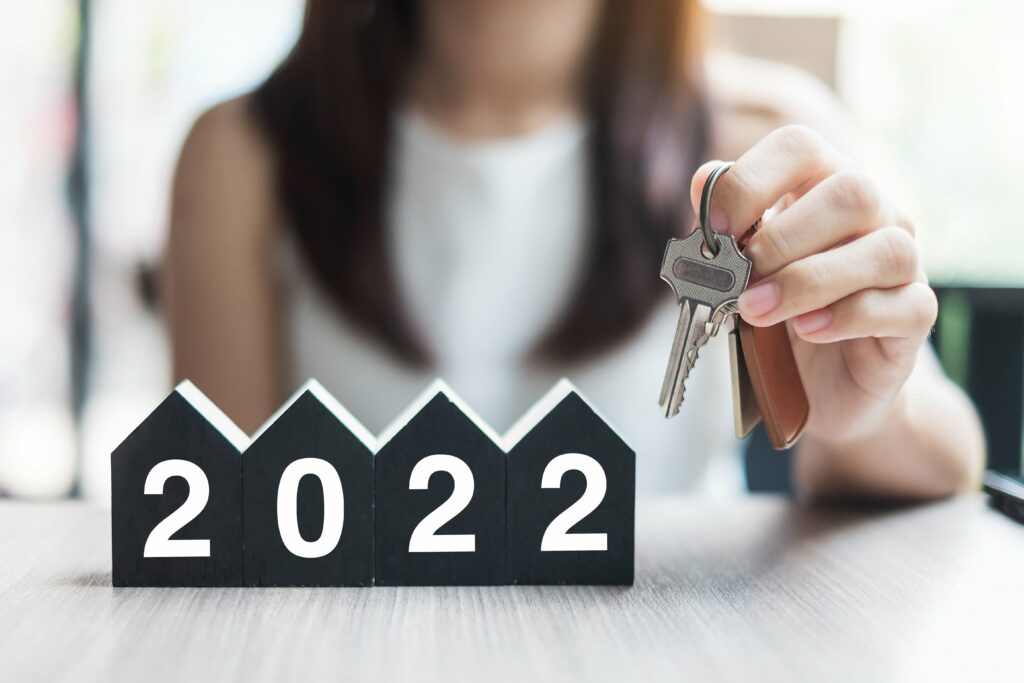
(756,589)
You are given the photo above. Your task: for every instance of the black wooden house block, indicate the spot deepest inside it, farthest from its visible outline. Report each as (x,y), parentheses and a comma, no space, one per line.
(571,495)
(176,497)
(315,500)
(307,482)
(439,482)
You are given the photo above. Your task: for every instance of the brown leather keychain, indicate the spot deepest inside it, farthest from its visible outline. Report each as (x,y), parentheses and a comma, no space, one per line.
(763,364)
(775,381)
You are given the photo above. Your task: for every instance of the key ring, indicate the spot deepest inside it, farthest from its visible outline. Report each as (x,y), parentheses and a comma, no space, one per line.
(710,239)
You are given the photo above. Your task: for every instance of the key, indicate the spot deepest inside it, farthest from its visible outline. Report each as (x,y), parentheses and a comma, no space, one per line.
(745,411)
(707,286)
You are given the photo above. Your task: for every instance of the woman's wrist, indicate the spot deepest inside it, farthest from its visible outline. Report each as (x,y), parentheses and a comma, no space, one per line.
(890,415)
(929,444)
(850,465)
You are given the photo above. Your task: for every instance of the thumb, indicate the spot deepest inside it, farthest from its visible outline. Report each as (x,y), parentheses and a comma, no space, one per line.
(718,220)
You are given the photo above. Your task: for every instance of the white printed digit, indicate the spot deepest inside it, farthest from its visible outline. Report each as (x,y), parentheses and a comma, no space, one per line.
(287,507)
(159,542)
(424,537)
(556,536)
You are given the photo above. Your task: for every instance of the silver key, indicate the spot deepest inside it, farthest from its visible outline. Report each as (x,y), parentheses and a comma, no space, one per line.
(707,286)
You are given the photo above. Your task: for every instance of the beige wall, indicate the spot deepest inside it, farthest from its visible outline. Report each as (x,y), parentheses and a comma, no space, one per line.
(807,42)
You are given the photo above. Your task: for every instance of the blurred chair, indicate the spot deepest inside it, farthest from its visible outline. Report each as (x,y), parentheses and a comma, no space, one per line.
(983,348)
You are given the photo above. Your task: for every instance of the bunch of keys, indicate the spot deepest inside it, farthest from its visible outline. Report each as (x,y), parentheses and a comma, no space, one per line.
(708,271)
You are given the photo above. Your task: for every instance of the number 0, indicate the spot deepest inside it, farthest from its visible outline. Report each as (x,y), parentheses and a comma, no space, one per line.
(557,536)
(287,502)
(159,543)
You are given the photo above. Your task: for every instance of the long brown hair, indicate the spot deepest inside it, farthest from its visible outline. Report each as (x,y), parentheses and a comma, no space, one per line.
(328,108)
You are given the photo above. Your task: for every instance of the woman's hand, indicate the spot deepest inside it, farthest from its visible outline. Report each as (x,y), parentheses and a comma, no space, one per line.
(838,262)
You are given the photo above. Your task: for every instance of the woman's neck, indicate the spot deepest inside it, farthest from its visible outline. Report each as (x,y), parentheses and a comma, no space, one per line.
(498,68)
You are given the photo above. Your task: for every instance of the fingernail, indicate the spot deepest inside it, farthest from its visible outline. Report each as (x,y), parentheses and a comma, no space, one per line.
(815,321)
(719,221)
(759,299)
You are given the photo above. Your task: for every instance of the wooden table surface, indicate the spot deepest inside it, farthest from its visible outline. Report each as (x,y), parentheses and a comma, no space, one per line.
(756,589)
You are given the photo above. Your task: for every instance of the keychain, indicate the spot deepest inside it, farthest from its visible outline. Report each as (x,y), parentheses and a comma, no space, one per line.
(707,271)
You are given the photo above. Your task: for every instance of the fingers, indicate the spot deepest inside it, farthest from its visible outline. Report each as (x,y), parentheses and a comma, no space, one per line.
(882,259)
(844,205)
(788,160)
(839,260)
(907,311)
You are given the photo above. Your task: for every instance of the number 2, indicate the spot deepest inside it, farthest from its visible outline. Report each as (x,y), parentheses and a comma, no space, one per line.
(159,543)
(557,536)
(424,537)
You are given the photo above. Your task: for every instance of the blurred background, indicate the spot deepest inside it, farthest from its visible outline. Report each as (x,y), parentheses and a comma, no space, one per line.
(100,93)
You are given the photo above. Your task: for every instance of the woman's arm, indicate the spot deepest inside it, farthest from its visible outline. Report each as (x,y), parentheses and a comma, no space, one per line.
(218,284)
(930,446)
(842,264)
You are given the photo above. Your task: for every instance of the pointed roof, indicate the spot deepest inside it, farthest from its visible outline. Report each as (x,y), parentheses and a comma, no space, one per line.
(333,406)
(536,413)
(436,387)
(214,415)
(530,419)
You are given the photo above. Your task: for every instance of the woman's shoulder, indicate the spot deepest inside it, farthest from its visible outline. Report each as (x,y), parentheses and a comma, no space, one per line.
(226,137)
(752,97)
(226,167)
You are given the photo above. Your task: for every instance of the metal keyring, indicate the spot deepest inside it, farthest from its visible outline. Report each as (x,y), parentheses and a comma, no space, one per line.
(710,240)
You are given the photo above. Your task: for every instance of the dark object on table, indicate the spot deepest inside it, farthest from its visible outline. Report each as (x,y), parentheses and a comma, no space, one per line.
(571,492)
(1007,492)
(307,500)
(196,502)
(439,498)
(176,497)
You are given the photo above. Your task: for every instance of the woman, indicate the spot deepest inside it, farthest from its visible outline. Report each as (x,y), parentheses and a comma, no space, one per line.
(481,190)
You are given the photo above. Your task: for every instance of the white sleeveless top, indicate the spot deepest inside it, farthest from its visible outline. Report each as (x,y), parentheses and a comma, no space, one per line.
(488,239)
